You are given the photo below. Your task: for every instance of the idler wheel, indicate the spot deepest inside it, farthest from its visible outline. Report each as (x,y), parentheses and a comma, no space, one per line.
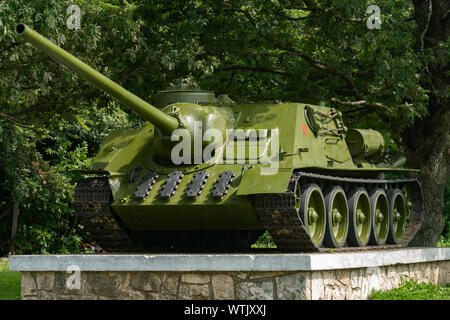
(337,218)
(397,216)
(360,218)
(380,217)
(312,213)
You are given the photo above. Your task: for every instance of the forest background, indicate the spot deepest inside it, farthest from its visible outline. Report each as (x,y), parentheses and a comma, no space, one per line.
(392,77)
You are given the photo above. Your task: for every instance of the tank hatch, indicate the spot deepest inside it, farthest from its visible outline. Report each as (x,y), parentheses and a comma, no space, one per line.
(166,97)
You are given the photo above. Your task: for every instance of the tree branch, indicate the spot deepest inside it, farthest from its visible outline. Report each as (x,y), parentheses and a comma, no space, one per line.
(349,103)
(255,53)
(283,16)
(355,110)
(259,69)
(324,67)
(316,63)
(362,103)
(422,14)
(16,122)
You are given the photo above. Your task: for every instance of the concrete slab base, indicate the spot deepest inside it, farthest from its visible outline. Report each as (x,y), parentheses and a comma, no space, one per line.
(351,275)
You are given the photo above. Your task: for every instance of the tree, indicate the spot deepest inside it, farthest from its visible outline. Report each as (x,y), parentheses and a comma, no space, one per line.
(427,141)
(52,122)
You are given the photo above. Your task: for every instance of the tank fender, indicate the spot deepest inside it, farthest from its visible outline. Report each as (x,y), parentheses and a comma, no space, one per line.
(260,180)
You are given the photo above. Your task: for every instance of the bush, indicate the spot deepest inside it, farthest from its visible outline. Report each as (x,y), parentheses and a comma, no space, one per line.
(265,241)
(37,175)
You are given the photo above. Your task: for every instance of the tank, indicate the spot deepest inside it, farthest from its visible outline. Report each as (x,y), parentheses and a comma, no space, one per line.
(208,174)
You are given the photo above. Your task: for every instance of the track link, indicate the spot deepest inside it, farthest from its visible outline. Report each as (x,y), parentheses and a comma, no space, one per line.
(278,213)
(93,199)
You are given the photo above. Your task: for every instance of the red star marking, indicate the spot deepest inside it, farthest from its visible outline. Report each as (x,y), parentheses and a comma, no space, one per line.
(305,129)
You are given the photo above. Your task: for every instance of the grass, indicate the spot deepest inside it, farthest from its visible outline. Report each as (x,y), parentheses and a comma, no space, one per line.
(264,242)
(9,282)
(411,290)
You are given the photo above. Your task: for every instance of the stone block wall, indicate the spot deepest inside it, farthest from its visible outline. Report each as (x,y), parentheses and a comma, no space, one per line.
(338,284)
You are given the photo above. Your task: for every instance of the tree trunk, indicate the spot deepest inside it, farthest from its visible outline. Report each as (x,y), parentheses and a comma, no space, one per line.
(427,142)
(15,222)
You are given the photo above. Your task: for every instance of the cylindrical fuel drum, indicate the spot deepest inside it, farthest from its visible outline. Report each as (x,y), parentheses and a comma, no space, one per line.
(366,141)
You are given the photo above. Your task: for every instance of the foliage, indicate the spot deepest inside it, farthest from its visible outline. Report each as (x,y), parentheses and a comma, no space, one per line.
(411,290)
(265,241)
(44,189)
(444,241)
(281,50)
(52,121)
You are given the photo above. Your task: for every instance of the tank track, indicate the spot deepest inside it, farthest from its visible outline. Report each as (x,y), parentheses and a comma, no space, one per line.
(93,199)
(278,214)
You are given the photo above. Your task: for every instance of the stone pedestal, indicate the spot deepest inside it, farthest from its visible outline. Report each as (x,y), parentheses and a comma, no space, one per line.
(350,275)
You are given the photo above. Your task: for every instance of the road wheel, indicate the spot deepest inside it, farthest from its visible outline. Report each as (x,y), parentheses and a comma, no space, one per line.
(312,213)
(360,218)
(380,217)
(337,218)
(397,216)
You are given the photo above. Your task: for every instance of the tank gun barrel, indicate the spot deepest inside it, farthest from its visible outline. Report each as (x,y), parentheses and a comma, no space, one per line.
(163,121)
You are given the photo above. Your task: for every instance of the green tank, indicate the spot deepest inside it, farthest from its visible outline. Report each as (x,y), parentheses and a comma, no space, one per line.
(209,174)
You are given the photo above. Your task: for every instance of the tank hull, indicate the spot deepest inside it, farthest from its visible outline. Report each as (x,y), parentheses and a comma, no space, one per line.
(234,211)
(216,227)
(239,192)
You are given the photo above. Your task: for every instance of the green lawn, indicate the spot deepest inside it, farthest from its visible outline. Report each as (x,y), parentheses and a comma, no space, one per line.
(411,290)
(9,282)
